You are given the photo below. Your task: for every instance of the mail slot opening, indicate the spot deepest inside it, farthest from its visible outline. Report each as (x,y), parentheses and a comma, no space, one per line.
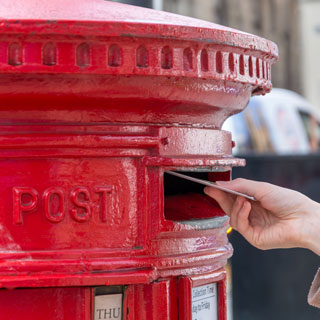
(185,200)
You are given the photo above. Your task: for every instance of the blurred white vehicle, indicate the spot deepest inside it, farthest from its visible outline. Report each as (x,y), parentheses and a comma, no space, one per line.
(281,122)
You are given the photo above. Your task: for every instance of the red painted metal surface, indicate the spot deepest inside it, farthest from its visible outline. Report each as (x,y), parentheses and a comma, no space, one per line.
(98,100)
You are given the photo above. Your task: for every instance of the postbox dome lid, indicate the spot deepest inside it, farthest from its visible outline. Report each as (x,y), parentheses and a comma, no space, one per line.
(112,51)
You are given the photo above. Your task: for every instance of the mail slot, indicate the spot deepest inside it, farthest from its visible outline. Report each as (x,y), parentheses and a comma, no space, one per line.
(98,101)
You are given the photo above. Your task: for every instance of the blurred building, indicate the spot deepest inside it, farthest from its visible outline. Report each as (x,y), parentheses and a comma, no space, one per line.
(310,44)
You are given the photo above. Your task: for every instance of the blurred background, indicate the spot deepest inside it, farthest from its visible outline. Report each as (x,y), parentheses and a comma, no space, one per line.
(278,135)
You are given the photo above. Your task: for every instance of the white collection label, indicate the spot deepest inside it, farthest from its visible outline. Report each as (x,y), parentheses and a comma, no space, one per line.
(108,307)
(205,302)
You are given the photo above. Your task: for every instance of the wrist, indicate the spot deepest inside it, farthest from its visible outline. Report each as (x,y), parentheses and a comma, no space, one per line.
(311,225)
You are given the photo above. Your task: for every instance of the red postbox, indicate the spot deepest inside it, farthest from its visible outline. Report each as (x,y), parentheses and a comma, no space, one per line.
(98,100)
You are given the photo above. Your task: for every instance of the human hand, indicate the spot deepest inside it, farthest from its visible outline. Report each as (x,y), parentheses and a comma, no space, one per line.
(280,218)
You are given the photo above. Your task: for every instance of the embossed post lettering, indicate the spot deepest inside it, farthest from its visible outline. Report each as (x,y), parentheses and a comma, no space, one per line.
(85,213)
(105,193)
(21,206)
(55,203)
(48,204)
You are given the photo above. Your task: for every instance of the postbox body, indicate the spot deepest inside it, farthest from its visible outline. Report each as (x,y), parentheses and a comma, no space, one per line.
(98,100)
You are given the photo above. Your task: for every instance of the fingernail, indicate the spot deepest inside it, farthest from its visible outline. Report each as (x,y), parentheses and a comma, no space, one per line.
(205,190)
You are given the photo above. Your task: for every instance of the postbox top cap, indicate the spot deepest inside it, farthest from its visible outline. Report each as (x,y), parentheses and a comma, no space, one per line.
(133,20)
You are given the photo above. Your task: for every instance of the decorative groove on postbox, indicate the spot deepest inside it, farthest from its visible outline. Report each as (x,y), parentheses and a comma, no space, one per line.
(165,142)
(169,59)
(76,145)
(25,141)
